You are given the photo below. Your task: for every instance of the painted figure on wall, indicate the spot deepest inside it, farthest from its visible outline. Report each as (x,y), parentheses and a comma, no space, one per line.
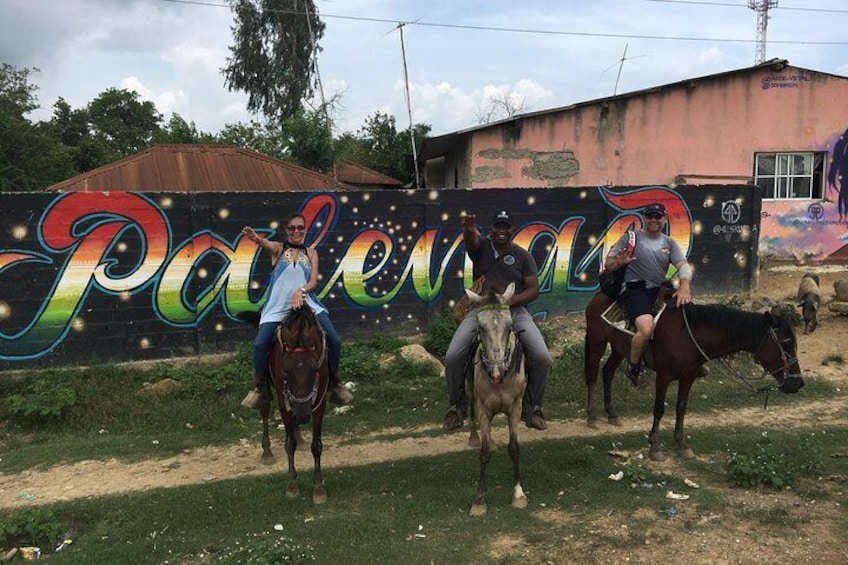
(837,175)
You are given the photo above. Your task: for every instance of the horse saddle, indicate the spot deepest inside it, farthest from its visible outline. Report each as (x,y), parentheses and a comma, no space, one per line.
(616,316)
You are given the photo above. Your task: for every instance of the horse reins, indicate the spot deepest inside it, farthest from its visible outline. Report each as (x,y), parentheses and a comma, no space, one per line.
(313,395)
(745,381)
(513,355)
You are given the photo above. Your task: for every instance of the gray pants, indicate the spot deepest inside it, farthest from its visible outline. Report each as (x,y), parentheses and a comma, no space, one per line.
(538,361)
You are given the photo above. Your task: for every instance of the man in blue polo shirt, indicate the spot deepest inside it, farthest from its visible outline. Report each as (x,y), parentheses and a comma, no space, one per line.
(502,262)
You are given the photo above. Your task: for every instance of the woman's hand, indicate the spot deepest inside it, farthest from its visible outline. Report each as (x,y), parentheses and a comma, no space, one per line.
(297,299)
(250,234)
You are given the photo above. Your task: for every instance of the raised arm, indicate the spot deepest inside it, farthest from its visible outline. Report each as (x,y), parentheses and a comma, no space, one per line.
(470,234)
(275,248)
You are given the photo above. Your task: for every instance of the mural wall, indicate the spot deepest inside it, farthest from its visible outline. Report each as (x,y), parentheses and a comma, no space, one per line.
(812,230)
(123,275)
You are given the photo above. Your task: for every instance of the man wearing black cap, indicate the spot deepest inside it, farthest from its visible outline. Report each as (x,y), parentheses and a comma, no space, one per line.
(502,262)
(647,264)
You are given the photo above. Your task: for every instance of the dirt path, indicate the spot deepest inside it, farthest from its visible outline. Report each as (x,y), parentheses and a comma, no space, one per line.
(88,479)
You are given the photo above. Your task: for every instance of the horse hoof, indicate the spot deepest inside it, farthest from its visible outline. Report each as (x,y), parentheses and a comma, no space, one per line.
(520,502)
(319,496)
(292,491)
(614,420)
(657,456)
(474,440)
(479,509)
(686,453)
(268,459)
(593,423)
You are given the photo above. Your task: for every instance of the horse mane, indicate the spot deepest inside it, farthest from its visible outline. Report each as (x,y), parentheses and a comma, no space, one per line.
(299,322)
(746,328)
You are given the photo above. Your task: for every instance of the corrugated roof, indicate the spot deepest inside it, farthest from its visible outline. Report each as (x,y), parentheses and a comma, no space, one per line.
(354,173)
(199,168)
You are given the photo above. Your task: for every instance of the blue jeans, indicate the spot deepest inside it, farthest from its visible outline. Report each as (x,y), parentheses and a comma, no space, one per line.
(265,338)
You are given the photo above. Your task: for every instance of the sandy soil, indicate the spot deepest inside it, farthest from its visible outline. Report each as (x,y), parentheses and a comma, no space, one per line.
(732,540)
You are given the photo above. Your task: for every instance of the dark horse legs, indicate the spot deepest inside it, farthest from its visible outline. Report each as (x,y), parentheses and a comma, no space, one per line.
(664,378)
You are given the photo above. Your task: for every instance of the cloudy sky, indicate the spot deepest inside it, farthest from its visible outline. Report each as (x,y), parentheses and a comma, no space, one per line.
(460,53)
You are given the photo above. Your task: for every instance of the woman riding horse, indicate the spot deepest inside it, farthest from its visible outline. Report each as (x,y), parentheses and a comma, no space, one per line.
(293,281)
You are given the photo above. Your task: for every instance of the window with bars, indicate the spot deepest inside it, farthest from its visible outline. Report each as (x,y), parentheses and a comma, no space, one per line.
(785,176)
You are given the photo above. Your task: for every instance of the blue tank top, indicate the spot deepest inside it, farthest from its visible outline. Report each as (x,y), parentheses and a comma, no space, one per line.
(288,276)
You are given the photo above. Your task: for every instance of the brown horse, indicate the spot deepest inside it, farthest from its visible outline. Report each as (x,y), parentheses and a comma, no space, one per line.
(684,339)
(300,375)
(499,382)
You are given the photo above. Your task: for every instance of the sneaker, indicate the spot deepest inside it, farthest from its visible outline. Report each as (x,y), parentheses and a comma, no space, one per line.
(636,375)
(536,421)
(340,395)
(453,420)
(253,399)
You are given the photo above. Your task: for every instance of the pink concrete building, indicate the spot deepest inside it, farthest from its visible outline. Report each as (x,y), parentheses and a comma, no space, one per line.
(781,127)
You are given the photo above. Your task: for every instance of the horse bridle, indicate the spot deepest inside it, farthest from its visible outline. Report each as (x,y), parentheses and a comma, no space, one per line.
(786,359)
(512,355)
(312,398)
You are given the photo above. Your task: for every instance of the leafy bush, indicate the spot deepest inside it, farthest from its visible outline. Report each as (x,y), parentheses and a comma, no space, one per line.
(265,553)
(773,466)
(733,302)
(46,397)
(834,358)
(792,314)
(440,333)
(636,474)
(359,362)
(34,526)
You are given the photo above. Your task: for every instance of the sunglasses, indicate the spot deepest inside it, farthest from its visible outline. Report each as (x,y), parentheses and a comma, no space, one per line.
(654,216)
(296,228)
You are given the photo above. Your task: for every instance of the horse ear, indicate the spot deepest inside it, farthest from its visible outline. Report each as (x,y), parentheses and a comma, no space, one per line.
(473,296)
(286,334)
(510,290)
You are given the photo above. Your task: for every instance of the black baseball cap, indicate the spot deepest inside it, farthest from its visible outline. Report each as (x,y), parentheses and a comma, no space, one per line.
(655,208)
(502,217)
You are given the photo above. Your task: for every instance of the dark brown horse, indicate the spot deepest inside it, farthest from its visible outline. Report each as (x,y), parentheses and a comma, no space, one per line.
(684,339)
(300,375)
(498,386)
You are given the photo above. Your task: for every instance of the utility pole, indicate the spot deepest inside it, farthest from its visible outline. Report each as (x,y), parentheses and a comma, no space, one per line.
(762,8)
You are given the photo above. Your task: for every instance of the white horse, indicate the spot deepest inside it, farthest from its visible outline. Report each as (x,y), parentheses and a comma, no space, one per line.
(498,385)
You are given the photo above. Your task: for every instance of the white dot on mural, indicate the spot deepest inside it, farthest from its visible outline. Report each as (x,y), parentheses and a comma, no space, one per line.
(583,194)
(366,197)
(340,239)
(223,213)
(144,343)
(740,200)
(460,273)
(318,224)
(274,225)
(531,200)
(391,231)
(340,284)
(433,195)
(445,217)
(388,318)
(355,210)
(697,227)
(403,247)
(254,285)
(709,201)
(414,225)
(451,303)
(377,322)
(385,306)
(121,247)
(5,310)
(582,277)
(19,232)
(409,316)
(332,295)
(78,324)
(392,207)
(219,327)
(444,240)
(705,260)
(166,202)
(125,296)
(592,239)
(202,273)
(362,316)
(343,199)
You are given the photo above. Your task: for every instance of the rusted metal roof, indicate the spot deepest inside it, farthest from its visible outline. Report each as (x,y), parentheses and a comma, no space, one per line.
(356,174)
(199,168)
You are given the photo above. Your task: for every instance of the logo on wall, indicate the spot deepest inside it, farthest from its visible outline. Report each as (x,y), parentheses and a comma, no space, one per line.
(815,211)
(731,212)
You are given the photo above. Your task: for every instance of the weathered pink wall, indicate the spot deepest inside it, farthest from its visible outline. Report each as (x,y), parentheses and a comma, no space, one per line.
(710,127)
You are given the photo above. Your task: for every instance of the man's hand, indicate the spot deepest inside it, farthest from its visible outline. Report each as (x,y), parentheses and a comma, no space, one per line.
(297,299)
(683,295)
(250,234)
(468,222)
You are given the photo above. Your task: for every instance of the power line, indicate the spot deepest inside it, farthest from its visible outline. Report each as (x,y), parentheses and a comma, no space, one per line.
(544,31)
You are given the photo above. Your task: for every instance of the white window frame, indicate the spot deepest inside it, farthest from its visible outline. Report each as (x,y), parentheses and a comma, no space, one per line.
(784,181)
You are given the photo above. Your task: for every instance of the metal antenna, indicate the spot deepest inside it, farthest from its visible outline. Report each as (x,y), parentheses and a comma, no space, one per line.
(409,106)
(762,8)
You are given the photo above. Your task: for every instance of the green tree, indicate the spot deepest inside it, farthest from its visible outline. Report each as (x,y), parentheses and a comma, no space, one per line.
(272,55)
(263,138)
(31,155)
(383,148)
(309,140)
(177,130)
